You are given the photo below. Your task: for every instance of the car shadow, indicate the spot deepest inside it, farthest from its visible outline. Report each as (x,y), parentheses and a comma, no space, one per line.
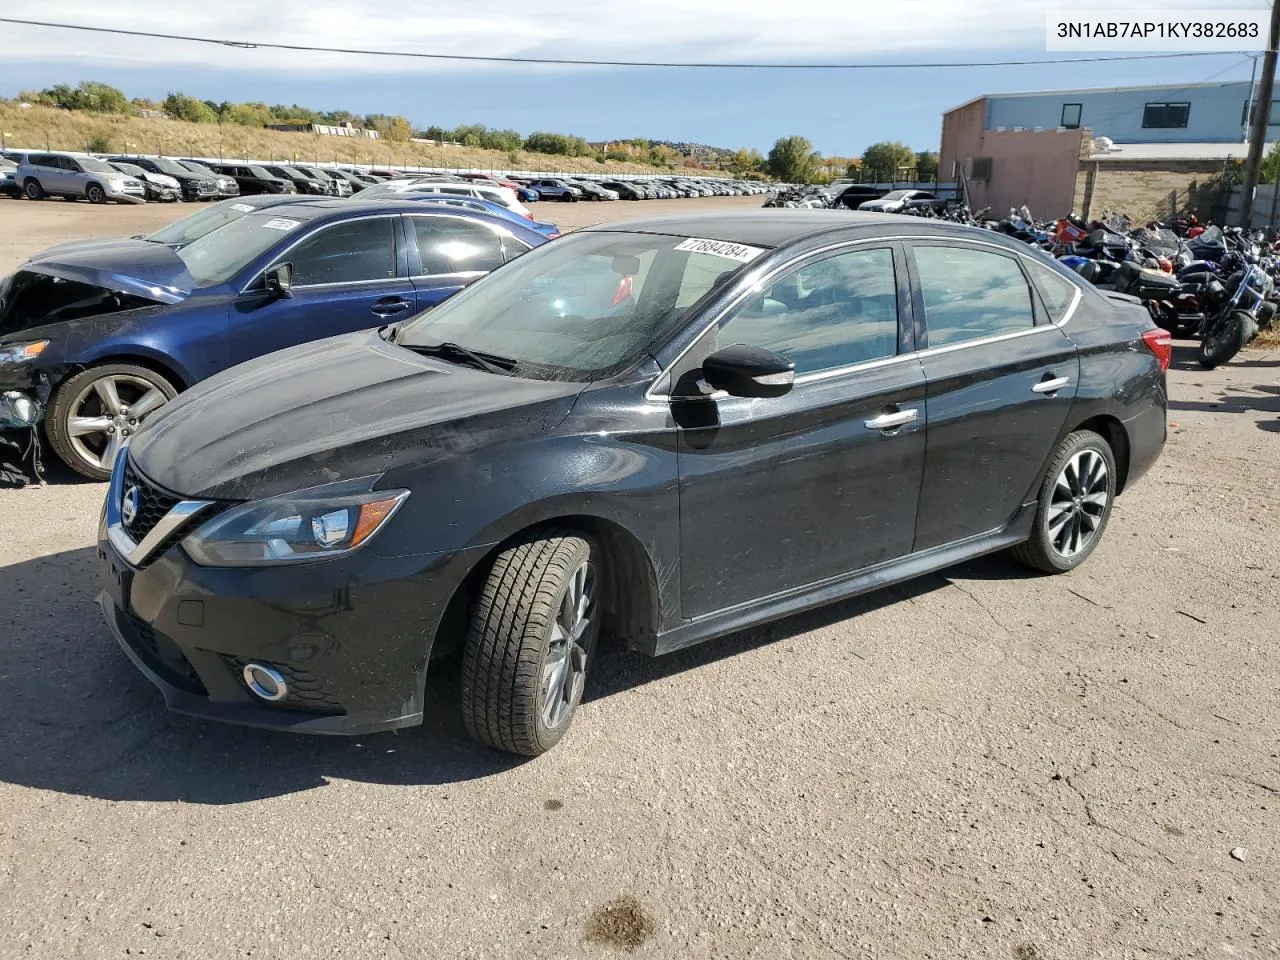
(1269,402)
(1186,355)
(77,718)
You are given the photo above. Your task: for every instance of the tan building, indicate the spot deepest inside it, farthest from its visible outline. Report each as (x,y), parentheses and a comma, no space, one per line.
(1060,170)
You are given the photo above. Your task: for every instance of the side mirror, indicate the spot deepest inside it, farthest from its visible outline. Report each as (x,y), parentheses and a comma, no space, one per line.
(279,281)
(743,371)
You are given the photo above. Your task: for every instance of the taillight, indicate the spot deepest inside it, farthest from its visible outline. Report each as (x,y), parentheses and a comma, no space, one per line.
(1159,342)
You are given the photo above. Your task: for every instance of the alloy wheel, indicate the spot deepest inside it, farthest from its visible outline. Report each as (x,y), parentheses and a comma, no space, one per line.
(107,412)
(564,669)
(1078,503)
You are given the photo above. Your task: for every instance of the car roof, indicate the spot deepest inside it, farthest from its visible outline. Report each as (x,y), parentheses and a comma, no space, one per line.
(336,209)
(776,228)
(763,228)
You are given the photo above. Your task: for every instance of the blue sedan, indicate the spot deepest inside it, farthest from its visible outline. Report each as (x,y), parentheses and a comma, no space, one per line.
(547,229)
(99,337)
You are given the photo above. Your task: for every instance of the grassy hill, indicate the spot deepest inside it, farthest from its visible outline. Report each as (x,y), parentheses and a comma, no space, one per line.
(40,127)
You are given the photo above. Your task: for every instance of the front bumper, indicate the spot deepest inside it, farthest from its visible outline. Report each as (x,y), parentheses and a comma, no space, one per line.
(351,636)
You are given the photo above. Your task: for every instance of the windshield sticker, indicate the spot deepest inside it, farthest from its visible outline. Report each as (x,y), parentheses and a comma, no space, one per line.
(721,248)
(280,223)
(242,207)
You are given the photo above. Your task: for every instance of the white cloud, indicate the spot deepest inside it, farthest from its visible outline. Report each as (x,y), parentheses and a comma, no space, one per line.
(682,30)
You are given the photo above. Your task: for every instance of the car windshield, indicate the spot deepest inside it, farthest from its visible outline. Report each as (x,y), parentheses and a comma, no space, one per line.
(898,195)
(182,232)
(169,166)
(129,168)
(199,168)
(581,308)
(220,254)
(291,172)
(94,165)
(260,173)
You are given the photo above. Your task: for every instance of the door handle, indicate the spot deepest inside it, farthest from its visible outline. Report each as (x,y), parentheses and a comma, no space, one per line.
(389,306)
(891,421)
(1051,386)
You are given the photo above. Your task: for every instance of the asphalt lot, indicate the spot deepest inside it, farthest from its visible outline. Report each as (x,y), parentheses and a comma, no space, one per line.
(982,763)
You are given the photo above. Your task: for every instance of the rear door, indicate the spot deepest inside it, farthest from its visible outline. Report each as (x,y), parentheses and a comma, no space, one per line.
(1001,378)
(347,276)
(447,252)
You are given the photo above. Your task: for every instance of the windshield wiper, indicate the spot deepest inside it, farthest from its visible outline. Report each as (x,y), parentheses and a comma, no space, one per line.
(456,353)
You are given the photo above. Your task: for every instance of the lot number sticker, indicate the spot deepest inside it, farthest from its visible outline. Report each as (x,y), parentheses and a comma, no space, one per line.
(242,207)
(721,248)
(280,223)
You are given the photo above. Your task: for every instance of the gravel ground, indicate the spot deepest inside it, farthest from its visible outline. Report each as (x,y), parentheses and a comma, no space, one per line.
(981,763)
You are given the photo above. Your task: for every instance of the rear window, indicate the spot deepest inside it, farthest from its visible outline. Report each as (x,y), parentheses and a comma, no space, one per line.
(1057,292)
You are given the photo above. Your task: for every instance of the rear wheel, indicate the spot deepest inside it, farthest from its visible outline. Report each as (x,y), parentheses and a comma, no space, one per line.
(32,189)
(1074,505)
(530,641)
(95,194)
(1225,338)
(93,413)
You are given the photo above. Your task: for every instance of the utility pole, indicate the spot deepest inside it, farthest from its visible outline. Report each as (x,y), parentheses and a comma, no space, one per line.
(1261,117)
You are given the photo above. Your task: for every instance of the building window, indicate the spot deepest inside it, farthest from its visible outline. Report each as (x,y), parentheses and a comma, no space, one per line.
(1165,116)
(1246,114)
(1070,116)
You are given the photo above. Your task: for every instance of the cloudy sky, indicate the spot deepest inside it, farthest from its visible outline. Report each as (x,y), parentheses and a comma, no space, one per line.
(841,111)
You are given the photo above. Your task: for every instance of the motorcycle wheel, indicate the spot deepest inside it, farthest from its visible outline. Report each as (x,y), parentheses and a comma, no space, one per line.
(1224,338)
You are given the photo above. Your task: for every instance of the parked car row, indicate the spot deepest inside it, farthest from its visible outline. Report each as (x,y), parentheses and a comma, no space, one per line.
(136,179)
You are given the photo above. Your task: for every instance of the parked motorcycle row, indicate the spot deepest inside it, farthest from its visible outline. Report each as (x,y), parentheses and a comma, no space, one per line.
(1213,283)
(1216,284)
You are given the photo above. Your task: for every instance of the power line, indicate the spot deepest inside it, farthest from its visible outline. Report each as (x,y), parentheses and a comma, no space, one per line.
(571,62)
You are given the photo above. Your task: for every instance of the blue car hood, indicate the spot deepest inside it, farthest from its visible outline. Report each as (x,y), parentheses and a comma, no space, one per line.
(150,270)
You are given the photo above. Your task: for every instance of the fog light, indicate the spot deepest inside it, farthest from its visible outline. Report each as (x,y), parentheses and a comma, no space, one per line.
(265,682)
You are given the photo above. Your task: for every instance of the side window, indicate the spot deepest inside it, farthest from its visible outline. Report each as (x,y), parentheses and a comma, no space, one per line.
(827,314)
(970,294)
(1056,291)
(346,253)
(450,245)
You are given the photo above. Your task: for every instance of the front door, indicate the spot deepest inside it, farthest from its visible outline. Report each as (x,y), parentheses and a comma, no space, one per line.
(777,494)
(1001,380)
(347,276)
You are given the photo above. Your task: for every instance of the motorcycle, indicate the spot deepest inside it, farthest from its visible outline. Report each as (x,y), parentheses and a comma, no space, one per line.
(1238,319)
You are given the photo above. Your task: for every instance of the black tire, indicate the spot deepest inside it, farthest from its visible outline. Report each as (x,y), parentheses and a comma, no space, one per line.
(1225,338)
(510,642)
(1042,551)
(31,187)
(95,194)
(61,409)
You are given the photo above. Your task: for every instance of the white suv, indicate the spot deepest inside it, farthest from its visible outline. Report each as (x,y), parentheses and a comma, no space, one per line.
(76,175)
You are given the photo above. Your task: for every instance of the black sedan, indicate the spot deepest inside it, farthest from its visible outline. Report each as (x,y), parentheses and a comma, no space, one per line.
(663,431)
(302,183)
(253,179)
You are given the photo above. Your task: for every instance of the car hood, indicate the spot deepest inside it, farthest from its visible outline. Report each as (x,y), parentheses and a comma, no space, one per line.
(344,407)
(136,267)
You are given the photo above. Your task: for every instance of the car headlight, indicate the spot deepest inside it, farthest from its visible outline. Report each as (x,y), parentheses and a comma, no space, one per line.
(20,352)
(311,524)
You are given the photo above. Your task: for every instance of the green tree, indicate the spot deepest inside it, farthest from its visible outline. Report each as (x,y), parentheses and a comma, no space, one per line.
(554,143)
(182,107)
(926,165)
(792,159)
(398,130)
(746,161)
(1270,165)
(884,161)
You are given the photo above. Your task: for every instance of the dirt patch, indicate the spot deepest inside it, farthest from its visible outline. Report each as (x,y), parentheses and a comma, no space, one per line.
(621,923)
(553,804)
(1025,951)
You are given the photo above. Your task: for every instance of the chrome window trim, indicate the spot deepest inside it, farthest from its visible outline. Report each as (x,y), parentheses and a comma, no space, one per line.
(652,397)
(275,261)
(459,274)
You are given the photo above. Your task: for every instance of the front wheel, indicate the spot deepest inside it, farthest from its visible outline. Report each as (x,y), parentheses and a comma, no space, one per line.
(95,194)
(32,189)
(1074,505)
(531,637)
(1224,338)
(92,414)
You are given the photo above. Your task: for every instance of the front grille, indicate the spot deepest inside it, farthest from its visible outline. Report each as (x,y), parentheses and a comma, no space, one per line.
(153,504)
(160,653)
(306,690)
